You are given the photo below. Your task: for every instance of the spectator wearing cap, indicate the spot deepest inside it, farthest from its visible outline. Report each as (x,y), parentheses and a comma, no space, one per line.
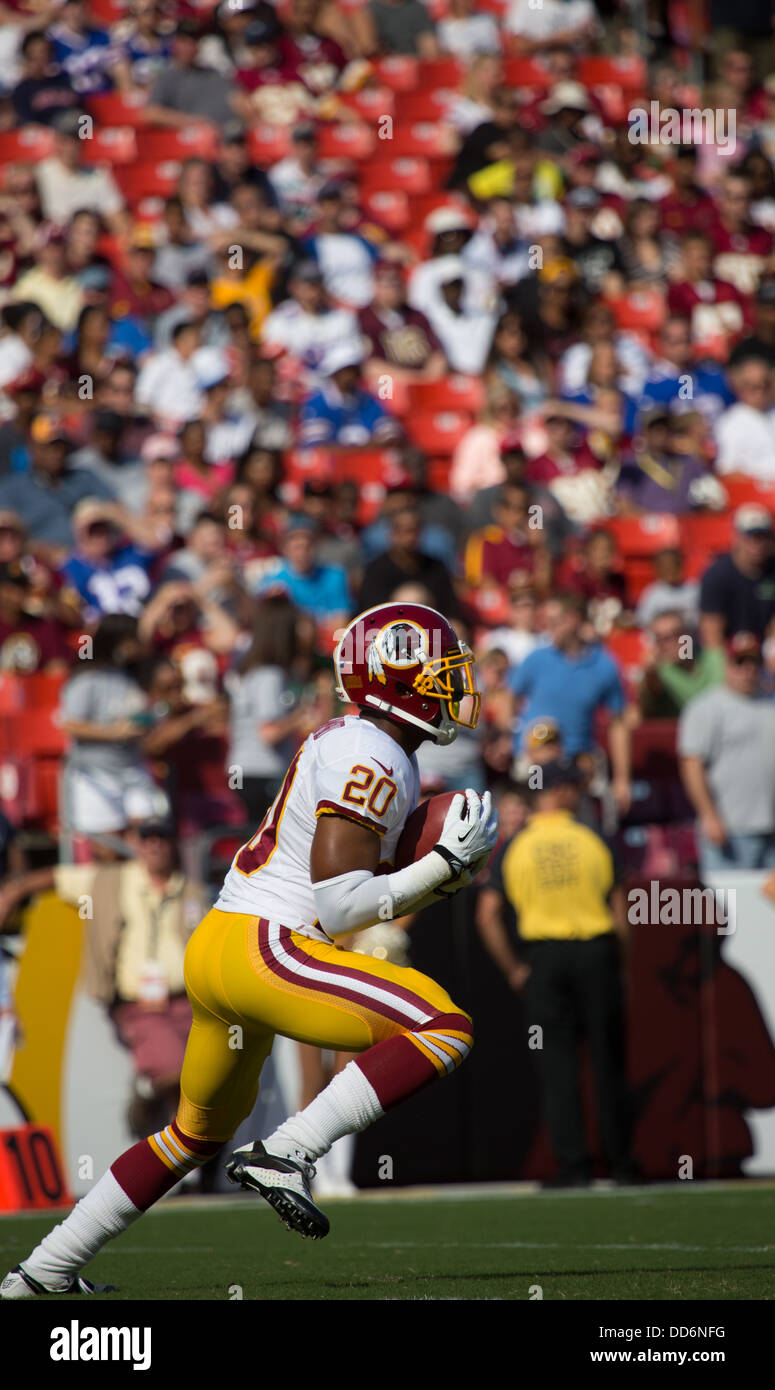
(676,366)
(508,552)
(726,744)
(341,413)
(674,672)
(667,470)
(42,91)
(297,179)
(23,397)
(145,909)
(559,877)
(745,432)
(450,229)
(228,428)
(44,497)
(346,259)
(29,640)
(404,561)
(463,330)
(110,566)
(306,325)
(570,680)
(320,590)
(596,259)
(550,305)
(273,92)
(167,386)
(185,89)
(48,283)
(671,591)
(67,185)
(737,591)
(234,19)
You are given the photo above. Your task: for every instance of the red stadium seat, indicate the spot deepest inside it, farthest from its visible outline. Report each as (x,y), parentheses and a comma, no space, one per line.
(426,203)
(111,145)
(345,142)
(639,574)
(426,138)
(186,143)
(641,536)
(438,475)
(440,72)
(398,72)
(364,465)
(389,208)
(437,431)
(740,490)
(29,142)
(38,733)
(396,175)
(712,533)
(453,392)
(108,12)
(268,143)
(143,180)
(371,103)
(629,648)
(627,73)
(424,106)
(118,109)
(526,72)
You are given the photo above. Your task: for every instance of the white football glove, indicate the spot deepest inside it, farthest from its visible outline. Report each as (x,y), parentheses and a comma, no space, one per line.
(469,832)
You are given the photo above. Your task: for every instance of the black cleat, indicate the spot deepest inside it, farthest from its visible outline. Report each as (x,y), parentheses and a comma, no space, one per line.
(283,1183)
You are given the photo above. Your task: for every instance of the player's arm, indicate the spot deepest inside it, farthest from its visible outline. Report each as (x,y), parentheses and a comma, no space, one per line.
(350,895)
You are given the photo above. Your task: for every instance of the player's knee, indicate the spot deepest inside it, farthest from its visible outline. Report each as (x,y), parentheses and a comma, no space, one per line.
(456,1032)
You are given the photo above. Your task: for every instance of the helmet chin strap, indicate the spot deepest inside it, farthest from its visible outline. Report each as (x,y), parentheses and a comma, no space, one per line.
(445,733)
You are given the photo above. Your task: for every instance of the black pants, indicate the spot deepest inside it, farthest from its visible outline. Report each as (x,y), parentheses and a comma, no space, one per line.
(574,991)
(258,793)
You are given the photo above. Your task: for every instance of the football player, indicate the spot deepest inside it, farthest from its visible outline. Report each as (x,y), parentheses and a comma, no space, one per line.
(265,961)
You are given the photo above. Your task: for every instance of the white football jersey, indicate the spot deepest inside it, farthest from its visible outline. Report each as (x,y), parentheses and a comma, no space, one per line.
(346,768)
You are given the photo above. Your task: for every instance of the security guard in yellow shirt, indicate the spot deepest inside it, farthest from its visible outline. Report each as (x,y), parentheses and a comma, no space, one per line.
(558,875)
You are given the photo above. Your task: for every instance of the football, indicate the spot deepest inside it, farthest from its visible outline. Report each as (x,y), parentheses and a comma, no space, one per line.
(422,829)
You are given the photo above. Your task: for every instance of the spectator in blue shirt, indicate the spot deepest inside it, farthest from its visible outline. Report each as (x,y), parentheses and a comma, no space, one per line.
(82,52)
(341,412)
(45,496)
(320,590)
(675,377)
(568,682)
(110,573)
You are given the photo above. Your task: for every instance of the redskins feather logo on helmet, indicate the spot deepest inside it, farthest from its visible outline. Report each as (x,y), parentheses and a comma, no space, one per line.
(406,660)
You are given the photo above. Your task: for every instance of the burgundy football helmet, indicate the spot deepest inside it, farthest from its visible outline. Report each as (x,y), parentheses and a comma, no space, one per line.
(407,661)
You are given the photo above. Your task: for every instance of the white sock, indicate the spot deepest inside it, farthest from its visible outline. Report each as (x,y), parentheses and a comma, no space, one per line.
(335,1166)
(104,1212)
(346,1105)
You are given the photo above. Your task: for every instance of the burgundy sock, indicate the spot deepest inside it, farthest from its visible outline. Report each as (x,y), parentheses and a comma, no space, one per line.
(155,1165)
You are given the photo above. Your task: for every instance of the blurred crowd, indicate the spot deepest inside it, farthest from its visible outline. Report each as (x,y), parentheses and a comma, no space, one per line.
(311,305)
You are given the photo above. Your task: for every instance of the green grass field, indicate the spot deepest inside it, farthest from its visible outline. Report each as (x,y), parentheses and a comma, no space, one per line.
(685,1242)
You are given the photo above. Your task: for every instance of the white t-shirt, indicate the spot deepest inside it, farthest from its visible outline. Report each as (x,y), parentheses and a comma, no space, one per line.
(63,191)
(552,17)
(308,336)
(476,33)
(746,442)
(167,387)
(347,768)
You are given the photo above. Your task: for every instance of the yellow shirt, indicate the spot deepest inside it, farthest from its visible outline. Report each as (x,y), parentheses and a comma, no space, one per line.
(557,874)
(151,930)
(252,290)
